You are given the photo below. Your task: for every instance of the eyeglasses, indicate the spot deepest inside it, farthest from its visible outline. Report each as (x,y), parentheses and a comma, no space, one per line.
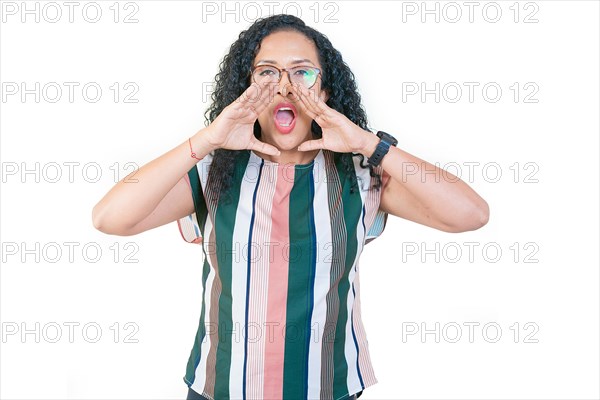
(302,75)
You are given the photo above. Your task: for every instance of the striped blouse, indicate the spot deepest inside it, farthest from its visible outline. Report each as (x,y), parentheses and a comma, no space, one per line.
(280,315)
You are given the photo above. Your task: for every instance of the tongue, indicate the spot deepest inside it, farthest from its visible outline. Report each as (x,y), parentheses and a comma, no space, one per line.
(284,117)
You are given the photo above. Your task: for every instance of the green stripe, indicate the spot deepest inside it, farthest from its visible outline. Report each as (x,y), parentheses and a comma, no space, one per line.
(198,197)
(300,285)
(225,251)
(201,212)
(194,358)
(352,208)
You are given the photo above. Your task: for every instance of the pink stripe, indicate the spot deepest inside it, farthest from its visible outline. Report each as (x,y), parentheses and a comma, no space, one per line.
(259,279)
(364,357)
(278,286)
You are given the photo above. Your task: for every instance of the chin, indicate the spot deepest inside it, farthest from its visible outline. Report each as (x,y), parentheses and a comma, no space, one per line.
(286,141)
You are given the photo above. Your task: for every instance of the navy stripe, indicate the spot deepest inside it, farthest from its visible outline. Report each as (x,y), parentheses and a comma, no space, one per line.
(251,231)
(352,312)
(362,383)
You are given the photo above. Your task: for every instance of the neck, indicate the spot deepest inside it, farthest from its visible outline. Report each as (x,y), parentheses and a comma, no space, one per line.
(290,157)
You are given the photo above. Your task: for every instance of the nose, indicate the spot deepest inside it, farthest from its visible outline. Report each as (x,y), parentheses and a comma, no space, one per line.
(285,84)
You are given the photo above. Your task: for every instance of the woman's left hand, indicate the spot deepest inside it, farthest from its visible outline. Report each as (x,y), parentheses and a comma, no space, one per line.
(339,133)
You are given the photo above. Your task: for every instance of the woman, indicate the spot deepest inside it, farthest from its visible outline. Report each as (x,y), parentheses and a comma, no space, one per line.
(283,188)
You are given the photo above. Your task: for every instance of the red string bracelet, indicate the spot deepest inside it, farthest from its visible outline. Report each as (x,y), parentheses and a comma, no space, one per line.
(193,155)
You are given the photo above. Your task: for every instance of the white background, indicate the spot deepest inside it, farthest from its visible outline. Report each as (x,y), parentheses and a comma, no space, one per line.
(550,209)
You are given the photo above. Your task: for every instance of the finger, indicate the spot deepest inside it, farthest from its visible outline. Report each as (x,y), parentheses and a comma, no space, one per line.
(256,92)
(311,145)
(251,94)
(249,101)
(304,105)
(257,97)
(264,147)
(315,101)
(315,104)
(267,95)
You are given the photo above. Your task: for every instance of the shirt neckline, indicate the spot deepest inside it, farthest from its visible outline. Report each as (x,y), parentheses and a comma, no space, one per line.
(287,165)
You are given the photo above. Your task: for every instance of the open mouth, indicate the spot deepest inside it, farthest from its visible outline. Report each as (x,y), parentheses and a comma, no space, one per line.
(285,117)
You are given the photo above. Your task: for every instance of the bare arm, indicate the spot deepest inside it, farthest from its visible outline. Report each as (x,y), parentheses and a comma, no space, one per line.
(161,193)
(425,194)
(157,194)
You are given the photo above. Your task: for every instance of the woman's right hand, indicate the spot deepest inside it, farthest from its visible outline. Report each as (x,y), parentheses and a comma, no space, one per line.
(161,193)
(233,129)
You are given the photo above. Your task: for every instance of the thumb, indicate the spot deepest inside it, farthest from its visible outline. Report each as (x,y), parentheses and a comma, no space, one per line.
(264,148)
(311,145)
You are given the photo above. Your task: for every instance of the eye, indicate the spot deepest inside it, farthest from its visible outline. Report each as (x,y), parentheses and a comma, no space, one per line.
(266,71)
(303,72)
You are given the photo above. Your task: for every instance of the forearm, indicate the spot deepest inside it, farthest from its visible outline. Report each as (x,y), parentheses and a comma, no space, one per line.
(138,194)
(445,197)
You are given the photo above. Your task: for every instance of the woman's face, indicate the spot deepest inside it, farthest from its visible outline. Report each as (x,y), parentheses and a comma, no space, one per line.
(286,49)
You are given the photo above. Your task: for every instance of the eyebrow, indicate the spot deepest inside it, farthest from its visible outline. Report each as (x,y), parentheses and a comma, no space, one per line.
(299,61)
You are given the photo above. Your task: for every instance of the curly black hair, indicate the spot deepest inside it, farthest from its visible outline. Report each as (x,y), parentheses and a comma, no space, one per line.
(233,79)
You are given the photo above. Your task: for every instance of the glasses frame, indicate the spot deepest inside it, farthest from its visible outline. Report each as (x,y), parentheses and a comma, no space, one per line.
(282,70)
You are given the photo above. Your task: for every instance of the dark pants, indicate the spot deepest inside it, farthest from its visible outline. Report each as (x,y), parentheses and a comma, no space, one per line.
(194,395)
(197,396)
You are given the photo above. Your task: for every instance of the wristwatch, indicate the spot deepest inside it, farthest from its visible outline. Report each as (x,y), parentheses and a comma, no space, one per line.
(386,140)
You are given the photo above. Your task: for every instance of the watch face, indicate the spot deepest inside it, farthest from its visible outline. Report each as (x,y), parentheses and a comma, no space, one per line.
(387,137)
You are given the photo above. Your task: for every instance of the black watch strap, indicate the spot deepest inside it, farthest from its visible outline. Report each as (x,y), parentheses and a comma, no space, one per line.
(386,140)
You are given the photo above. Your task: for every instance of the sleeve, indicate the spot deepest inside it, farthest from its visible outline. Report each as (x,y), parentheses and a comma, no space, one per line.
(374,218)
(191,227)
(377,226)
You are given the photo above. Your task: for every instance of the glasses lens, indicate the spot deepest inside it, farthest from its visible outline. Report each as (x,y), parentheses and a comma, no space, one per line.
(265,74)
(305,76)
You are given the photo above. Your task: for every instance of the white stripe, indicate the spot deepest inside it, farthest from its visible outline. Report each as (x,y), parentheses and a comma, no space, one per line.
(353,380)
(200,373)
(239,276)
(322,276)
(203,167)
(188,225)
